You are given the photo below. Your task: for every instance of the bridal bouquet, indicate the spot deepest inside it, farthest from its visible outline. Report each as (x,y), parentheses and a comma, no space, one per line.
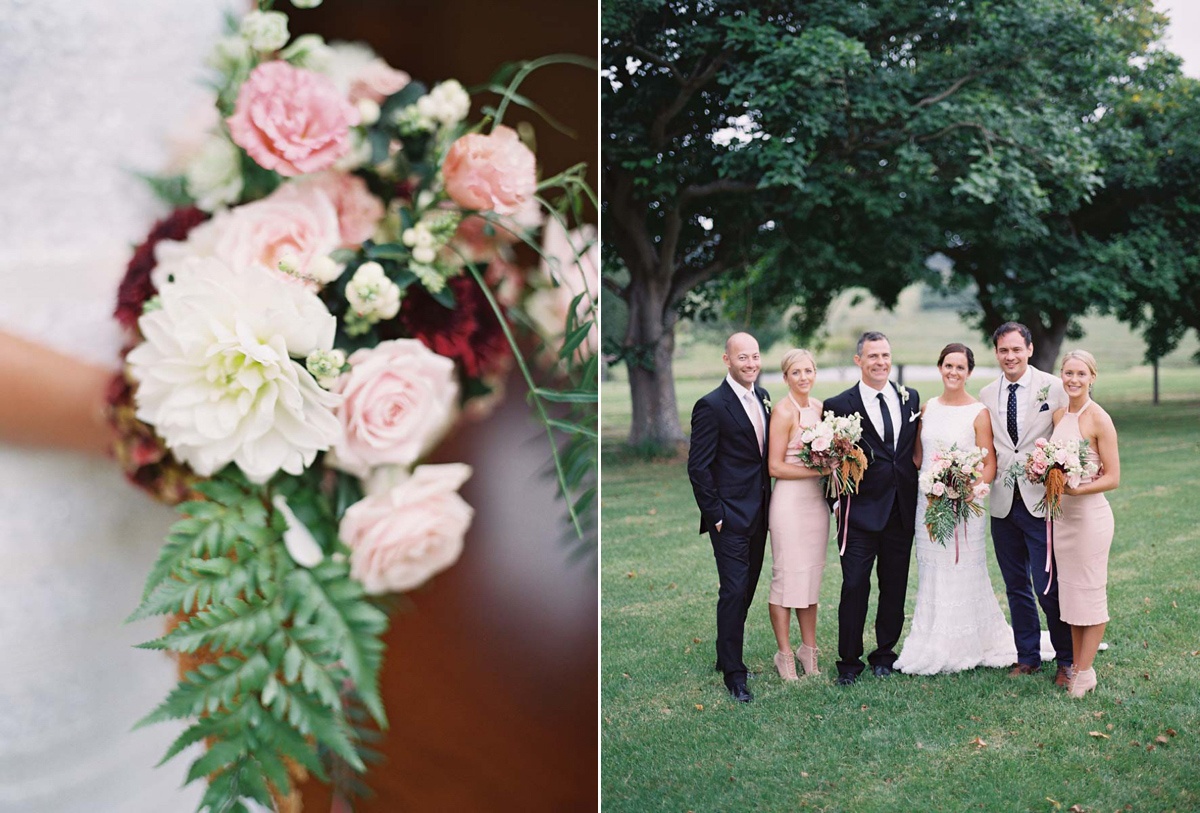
(833,444)
(336,288)
(952,494)
(1054,465)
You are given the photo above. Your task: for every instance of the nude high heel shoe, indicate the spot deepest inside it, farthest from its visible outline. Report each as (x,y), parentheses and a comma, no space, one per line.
(807,655)
(1082,682)
(786,666)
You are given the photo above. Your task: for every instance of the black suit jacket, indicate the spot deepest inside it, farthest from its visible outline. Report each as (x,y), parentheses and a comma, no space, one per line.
(728,472)
(890,473)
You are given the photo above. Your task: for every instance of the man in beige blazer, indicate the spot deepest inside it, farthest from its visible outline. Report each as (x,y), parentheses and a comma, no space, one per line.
(1022,402)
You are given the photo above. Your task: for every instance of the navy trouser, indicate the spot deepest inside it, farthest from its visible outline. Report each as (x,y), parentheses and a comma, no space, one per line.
(739,563)
(1020,541)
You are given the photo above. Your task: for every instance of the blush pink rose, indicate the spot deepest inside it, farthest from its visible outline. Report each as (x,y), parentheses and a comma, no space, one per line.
(820,444)
(375,81)
(938,489)
(1040,442)
(399,399)
(407,528)
(358,211)
(1039,468)
(291,120)
(257,234)
(492,173)
(1060,457)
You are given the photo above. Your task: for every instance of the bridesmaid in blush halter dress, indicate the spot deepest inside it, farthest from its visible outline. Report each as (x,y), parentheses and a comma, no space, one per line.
(798,520)
(1084,533)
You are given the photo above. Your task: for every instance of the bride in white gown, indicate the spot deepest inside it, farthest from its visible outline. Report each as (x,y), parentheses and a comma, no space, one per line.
(91,90)
(958,623)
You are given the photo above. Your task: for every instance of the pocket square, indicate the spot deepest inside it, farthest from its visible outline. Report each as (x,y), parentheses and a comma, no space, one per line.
(1045,408)
(913,416)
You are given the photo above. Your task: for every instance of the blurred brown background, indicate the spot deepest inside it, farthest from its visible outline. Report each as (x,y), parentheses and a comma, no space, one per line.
(490,679)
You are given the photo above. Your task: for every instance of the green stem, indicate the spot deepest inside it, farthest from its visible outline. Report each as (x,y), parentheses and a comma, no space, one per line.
(530,67)
(537,401)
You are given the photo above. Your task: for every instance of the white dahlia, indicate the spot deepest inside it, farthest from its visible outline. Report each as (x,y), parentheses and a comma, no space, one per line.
(216,377)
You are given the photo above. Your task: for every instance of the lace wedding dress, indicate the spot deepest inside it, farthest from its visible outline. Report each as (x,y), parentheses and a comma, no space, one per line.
(958,623)
(91,91)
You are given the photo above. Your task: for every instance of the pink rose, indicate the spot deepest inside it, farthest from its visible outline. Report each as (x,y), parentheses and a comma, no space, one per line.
(1040,442)
(938,489)
(492,173)
(358,211)
(1060,457)
(406,530)
(399,400)
(1040,458)
(1039,468)
(376,80)
(1073,480)
(257,234)
(820,444)
(291,120)
(578,255)
(982,490)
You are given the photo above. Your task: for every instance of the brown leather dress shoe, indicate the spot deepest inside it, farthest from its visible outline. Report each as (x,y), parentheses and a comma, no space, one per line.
(1023,669)
(1062,678)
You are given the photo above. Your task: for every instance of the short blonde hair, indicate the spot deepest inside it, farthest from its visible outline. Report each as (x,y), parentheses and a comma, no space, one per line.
(1088,360)
(794,355)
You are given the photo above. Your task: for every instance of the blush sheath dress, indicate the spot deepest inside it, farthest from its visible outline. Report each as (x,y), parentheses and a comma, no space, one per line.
(799,525)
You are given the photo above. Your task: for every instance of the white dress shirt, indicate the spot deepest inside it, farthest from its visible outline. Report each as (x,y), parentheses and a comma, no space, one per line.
(1023,384)
(871,402)
(751,404)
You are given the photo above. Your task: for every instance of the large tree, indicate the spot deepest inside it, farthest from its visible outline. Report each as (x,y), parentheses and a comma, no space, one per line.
(817,139)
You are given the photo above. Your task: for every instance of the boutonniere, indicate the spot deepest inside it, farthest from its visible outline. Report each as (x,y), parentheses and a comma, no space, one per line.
(903,391)
(1043,394)
(767,404)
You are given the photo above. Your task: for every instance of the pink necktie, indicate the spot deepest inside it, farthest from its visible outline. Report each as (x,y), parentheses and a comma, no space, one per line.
(757,420)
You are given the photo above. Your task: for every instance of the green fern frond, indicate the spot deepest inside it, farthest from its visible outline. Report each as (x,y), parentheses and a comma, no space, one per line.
(211,687)
(234,625)
(295,706)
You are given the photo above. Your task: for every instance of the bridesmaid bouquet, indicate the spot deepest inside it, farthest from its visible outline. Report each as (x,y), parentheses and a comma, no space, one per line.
(833,444)
(952,494)
(1054,465)
(335,289)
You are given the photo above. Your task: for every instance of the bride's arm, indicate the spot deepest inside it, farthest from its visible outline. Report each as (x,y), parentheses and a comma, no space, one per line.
(52,400)
(918,454)
(984,439)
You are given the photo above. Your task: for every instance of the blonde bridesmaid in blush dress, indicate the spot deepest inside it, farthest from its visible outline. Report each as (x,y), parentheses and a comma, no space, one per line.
(798,520)
(1084,533)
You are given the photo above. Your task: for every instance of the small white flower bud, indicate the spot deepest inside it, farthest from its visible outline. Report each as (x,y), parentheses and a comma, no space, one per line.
(409,238)
(324,270)
(306,3)
(424,254)
(289,263)
(265,30)
(368,111)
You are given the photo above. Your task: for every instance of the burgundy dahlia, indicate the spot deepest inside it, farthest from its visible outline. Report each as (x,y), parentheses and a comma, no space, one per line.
(469,332)
(136,287)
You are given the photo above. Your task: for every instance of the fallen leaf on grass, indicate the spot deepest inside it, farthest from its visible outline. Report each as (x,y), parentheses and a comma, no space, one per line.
(920,747)
(1149,748)
(695,640)
(978,743)
(626,674)
(1171,732)
(631,575)
(1099,734)
(804,774)
(1146,675)
(652,511)
(864,707)
(976,719)
(1097,714)
(1108,727)
(1174,606)
(687,650)
(1075,809)
(1161,739)
(1057,804)
(699,707)
(1197,652)
(671,586)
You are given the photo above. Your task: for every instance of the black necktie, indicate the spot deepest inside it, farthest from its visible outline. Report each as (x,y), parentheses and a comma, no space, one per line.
(1012,412)
(889,435)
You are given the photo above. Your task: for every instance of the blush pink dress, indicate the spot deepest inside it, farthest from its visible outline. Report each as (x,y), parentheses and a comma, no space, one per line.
(1082,538)
(799,525)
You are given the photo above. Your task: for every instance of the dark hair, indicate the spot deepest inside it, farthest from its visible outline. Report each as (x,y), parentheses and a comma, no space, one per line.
(1009,327)
(869,336)
(955,347)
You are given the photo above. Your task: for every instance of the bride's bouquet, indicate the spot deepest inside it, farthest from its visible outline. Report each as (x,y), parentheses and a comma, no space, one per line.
(833,444)
(1055,465)
(336,288)
(951,491)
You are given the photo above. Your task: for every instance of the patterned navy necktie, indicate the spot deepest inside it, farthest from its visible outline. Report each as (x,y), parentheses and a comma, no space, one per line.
(1012,412)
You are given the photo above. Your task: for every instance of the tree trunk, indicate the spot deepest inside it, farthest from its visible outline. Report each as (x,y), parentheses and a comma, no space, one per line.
(1047,341)
(651,338)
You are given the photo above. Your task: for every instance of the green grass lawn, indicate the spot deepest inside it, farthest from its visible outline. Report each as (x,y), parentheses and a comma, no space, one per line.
(672,739)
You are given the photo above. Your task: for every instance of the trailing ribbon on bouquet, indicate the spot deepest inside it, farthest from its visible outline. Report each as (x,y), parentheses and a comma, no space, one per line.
(845,525)
(1049,552)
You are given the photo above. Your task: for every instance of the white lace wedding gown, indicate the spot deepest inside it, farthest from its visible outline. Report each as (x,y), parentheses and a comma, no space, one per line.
(958,623)
(91,90)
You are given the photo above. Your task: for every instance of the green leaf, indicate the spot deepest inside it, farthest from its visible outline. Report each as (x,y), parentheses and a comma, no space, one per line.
(574,397)
(572,428)
(211,687)
(233,625)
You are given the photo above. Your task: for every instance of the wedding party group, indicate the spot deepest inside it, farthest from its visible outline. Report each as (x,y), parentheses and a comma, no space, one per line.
(898,474)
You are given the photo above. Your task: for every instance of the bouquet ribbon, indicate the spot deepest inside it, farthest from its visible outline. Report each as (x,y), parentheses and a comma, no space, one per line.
(1049,551)
(845,526)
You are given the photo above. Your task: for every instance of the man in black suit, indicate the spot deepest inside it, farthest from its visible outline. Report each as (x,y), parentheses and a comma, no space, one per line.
(881,516)
(727,464)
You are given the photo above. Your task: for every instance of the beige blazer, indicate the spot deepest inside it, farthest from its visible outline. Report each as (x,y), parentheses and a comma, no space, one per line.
(1038,423)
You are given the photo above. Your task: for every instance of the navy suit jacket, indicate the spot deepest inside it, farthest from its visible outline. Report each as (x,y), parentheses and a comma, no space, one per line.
(891,473)
(728,472)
